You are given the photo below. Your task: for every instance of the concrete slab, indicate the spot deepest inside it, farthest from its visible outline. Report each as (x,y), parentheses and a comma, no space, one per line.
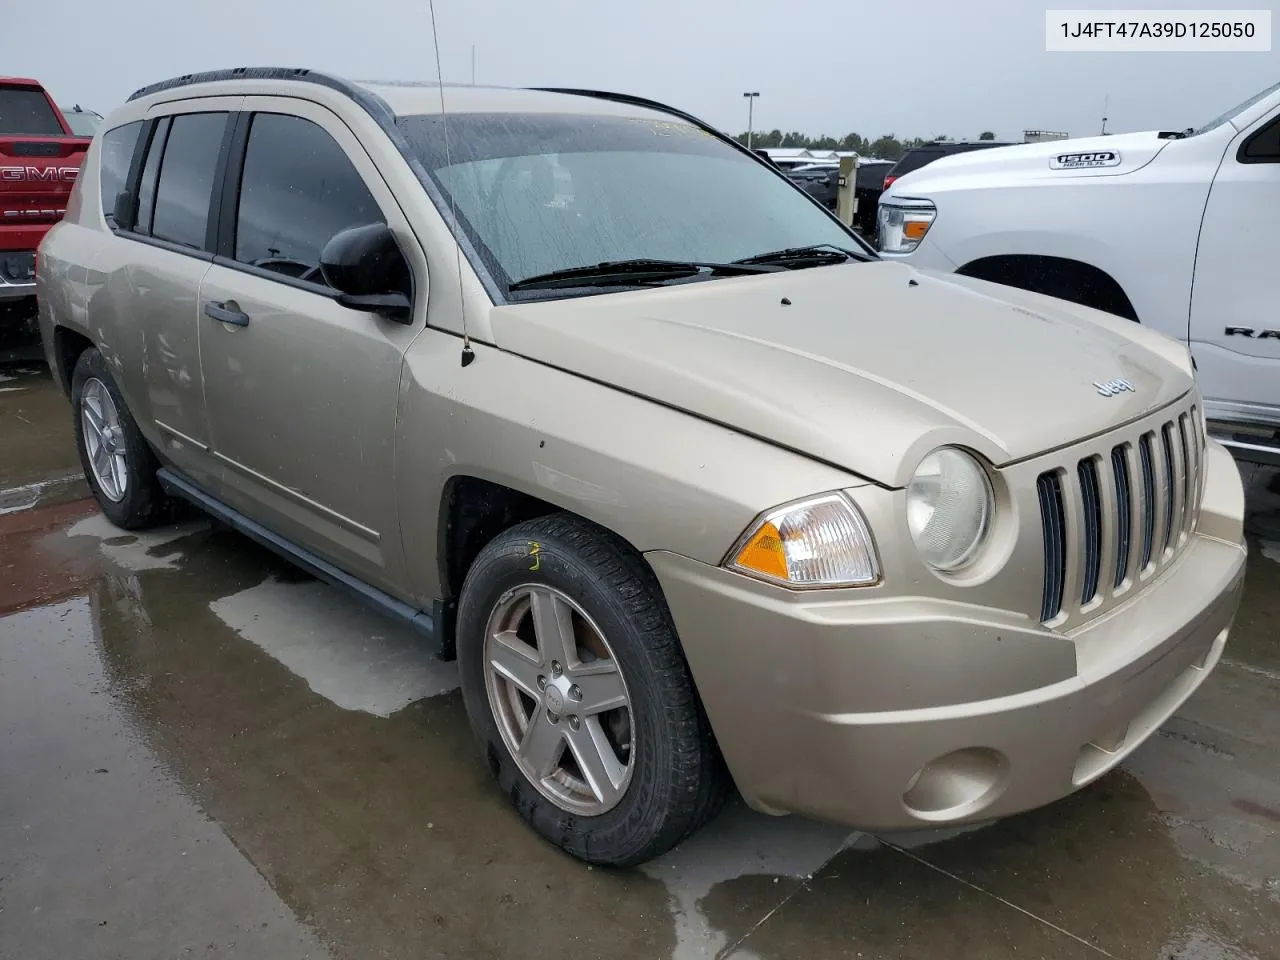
(101,853)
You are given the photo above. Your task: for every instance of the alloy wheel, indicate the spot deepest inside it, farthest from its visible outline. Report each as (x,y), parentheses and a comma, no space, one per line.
(104,440)
(559,699)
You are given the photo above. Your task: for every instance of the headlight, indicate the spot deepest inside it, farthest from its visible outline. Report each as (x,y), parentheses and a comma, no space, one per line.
(903,224)
(950,506)
(819,542)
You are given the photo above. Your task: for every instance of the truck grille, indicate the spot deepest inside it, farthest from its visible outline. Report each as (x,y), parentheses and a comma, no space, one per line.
(1118,513)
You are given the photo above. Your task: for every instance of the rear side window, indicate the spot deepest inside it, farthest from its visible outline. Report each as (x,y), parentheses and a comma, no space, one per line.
(298,189)
(150,173)
(116,153)
(26,111)
(915,160)
(985,145)
(185,187)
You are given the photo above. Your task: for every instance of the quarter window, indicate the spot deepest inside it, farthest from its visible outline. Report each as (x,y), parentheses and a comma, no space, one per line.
(1263,146)
(298,189)
(117,149)
(187,171)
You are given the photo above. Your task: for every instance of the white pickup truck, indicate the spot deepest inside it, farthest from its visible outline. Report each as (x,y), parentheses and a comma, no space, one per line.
(1179,231)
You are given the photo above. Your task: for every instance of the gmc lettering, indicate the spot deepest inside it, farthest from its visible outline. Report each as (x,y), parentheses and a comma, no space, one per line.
(46,175)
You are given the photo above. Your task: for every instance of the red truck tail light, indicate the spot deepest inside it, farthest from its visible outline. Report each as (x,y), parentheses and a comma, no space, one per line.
(887,182)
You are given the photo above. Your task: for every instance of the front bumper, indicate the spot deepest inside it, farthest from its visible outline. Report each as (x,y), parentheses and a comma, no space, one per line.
(906,712)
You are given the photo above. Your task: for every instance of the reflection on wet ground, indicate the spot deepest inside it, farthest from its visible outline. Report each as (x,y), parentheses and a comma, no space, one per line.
(40,464)
(204,752)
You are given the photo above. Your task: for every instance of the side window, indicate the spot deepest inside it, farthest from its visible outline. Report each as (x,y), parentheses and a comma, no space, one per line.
(185,187)
(116,151)
(150,173)
(298,189)
(1263,146)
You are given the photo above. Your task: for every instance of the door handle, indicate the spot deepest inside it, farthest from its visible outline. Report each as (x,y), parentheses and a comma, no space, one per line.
(225,314)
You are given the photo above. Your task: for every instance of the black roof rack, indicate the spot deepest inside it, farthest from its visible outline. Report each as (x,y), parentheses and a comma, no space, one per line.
(371,102)
(358,93)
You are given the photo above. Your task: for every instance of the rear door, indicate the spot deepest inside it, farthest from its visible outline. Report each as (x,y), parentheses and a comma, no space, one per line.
(1235,300)
(148,276)
(39,164)
(303,393)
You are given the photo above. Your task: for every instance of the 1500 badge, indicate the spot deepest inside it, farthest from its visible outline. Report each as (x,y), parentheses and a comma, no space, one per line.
(1075,161)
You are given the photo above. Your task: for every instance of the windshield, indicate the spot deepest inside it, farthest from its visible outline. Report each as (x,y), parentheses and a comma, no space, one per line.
(82,123)
(25,111)
(538,193)
(1222,118)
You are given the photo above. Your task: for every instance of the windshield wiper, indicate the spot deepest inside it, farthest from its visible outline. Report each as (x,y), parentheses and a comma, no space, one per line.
(817,255)
(640,270)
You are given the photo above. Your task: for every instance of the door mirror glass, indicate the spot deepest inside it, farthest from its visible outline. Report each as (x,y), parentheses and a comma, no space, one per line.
(365,265)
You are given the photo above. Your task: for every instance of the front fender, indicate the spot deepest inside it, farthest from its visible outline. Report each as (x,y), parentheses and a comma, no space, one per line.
(658,478)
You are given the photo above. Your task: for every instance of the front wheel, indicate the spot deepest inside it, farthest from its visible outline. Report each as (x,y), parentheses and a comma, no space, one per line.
(575,682)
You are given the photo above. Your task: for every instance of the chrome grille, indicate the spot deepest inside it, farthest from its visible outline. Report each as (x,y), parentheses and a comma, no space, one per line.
(1055,522)
(1124,512)
(1091,504)
(1113,516)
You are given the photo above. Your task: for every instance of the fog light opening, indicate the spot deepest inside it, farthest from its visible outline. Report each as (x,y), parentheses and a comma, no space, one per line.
(957,784)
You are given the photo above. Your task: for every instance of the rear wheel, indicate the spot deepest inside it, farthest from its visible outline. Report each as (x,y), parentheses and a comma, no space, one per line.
(575,682)
(118,464)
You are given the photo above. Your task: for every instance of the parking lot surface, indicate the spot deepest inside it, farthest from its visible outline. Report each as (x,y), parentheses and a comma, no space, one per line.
(39,464)
(205,753)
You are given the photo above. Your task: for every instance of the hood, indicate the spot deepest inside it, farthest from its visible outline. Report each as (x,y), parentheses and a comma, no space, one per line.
(868,367)
(1111,156)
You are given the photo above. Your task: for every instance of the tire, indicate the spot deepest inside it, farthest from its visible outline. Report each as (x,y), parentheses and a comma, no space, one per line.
(677,779)
(128,492)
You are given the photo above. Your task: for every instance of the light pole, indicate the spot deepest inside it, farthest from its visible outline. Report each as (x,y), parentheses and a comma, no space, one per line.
(751,102)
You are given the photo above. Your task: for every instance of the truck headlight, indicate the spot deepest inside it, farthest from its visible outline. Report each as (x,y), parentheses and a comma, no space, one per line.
(903,224)
(819,542)
(950,505)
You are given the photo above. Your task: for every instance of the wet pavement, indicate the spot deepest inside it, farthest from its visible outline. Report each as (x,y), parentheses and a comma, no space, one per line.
(38,460)
(204,753)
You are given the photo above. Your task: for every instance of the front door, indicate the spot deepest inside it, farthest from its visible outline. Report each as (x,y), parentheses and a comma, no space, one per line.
(302,391)
(1235,301)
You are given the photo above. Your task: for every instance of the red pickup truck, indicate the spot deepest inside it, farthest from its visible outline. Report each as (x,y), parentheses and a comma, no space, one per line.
(40,159)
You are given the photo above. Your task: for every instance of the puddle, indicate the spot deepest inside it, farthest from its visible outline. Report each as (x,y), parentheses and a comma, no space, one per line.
(740,844)
(102,853)
(138,551)
(350,656)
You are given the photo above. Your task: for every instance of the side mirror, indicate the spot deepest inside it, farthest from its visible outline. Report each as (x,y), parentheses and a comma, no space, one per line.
(365,265)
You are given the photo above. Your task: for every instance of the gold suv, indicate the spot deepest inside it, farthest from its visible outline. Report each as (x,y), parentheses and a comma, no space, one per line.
(699,490)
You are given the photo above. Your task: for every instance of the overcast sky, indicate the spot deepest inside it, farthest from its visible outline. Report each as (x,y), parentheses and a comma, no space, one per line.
(910,67)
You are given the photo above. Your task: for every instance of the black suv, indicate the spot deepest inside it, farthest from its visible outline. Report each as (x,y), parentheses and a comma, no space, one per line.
(918,157)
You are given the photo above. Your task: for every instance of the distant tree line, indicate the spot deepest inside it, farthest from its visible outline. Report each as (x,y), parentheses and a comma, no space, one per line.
(887,146)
